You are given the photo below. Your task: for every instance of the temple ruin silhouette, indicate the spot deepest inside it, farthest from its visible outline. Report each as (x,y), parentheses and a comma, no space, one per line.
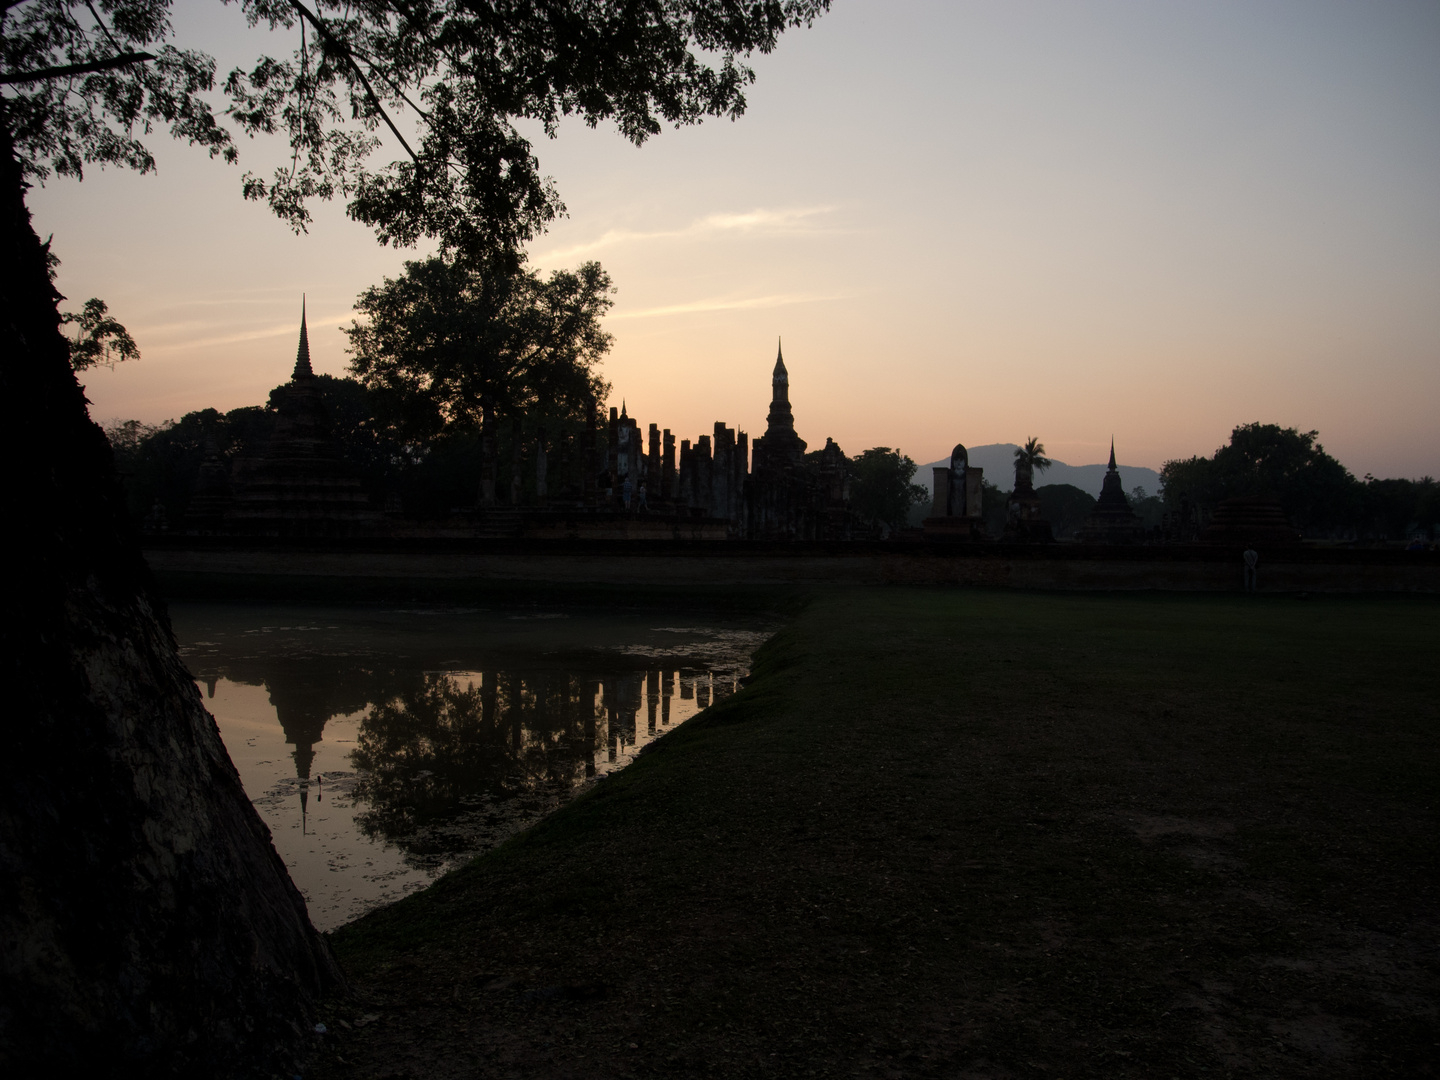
(615,480)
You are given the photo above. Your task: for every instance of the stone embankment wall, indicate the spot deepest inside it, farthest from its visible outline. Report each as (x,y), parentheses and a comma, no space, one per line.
(709,564)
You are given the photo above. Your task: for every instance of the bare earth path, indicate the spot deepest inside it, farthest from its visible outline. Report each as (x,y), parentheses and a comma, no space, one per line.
(956,833)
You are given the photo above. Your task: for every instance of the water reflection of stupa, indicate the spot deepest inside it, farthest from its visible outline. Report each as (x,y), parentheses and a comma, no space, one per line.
(302,705)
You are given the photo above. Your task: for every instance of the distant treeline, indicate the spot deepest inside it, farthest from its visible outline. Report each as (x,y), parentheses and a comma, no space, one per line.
(1318,494)
(430,477)
(425,478)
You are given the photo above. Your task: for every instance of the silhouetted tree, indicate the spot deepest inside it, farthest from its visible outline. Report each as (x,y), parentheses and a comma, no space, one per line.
(1284,464)
(881,492)
(100,338)
(1065,506)
(1150,509)
(433,752)
(1033,455)
(150,926)
(455,344)
(1393,509)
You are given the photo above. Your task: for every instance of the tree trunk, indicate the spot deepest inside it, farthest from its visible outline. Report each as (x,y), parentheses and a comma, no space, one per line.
(147,926)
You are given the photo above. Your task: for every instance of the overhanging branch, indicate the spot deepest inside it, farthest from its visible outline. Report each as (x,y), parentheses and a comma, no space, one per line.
(349,55)
(63,70)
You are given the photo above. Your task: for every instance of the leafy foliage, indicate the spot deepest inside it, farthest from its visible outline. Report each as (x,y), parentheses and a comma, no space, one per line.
(452,343)
(161,462)
(84,85)
(1032,454)
(1285,464)
(1065,507)
(101,340)
(1317,493)
(434,752)
(1150,509)
(881,492)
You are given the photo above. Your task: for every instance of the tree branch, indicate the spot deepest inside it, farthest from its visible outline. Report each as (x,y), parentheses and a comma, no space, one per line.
(349,55)
(63,70)
(103,28)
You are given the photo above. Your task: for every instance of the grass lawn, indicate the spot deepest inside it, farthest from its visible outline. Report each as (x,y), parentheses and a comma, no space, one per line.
(965,833)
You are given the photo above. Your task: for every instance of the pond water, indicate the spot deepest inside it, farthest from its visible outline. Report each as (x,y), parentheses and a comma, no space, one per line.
(384,745)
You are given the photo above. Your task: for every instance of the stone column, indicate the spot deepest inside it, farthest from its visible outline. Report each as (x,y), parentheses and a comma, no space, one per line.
(685,487)
(517,456)
(940,506)
(588,467)
(704,474)
(487,458)
(612,462)
(667,467)
(974,493)
(724,466)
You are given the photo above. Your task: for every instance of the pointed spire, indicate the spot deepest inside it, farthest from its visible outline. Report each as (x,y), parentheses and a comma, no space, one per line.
(303,370)
(780,372)
(622,409)
(1112,453)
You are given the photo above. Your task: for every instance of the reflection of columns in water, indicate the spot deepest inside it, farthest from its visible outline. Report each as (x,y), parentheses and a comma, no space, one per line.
(489,700)
(666,689)
(687,687)
(702,691)
(652,696)
(514,700)
(612,728)
(622,705)
(631,696)
(589,690)
(210,681)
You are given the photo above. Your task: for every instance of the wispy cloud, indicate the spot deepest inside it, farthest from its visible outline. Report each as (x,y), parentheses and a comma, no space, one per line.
(728,304)
(171,336)
(798,219)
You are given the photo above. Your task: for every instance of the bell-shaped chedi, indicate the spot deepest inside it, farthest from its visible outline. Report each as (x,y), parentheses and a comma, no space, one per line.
(1248,521)
(213,496)
(1112,521)
(301,485)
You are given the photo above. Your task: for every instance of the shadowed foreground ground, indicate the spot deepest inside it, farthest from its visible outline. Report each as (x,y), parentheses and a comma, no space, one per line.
(959,833)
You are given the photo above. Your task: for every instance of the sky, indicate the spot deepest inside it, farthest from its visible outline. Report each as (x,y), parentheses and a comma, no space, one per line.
(970,222)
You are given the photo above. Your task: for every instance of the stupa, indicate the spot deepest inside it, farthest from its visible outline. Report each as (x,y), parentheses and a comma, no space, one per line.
(301,484)
(1249,521)
(1112,521)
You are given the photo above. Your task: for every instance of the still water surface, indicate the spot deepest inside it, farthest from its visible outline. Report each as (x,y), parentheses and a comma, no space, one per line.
(384,745)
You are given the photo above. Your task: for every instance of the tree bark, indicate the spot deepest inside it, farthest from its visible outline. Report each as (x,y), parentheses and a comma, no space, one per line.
(147,925)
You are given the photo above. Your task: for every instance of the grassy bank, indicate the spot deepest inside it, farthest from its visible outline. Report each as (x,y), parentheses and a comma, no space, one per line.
(960,833)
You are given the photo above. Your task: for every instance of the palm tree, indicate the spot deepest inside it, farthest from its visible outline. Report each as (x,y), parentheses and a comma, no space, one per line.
(1033,455)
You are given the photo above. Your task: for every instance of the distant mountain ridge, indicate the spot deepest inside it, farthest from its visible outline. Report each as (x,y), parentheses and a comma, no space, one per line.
(998,461)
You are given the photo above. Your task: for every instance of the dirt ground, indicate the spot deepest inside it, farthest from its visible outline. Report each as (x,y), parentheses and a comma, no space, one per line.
(959,833)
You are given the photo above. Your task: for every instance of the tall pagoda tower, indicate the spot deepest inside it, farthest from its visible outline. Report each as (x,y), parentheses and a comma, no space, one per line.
(301,484)
(780,448)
